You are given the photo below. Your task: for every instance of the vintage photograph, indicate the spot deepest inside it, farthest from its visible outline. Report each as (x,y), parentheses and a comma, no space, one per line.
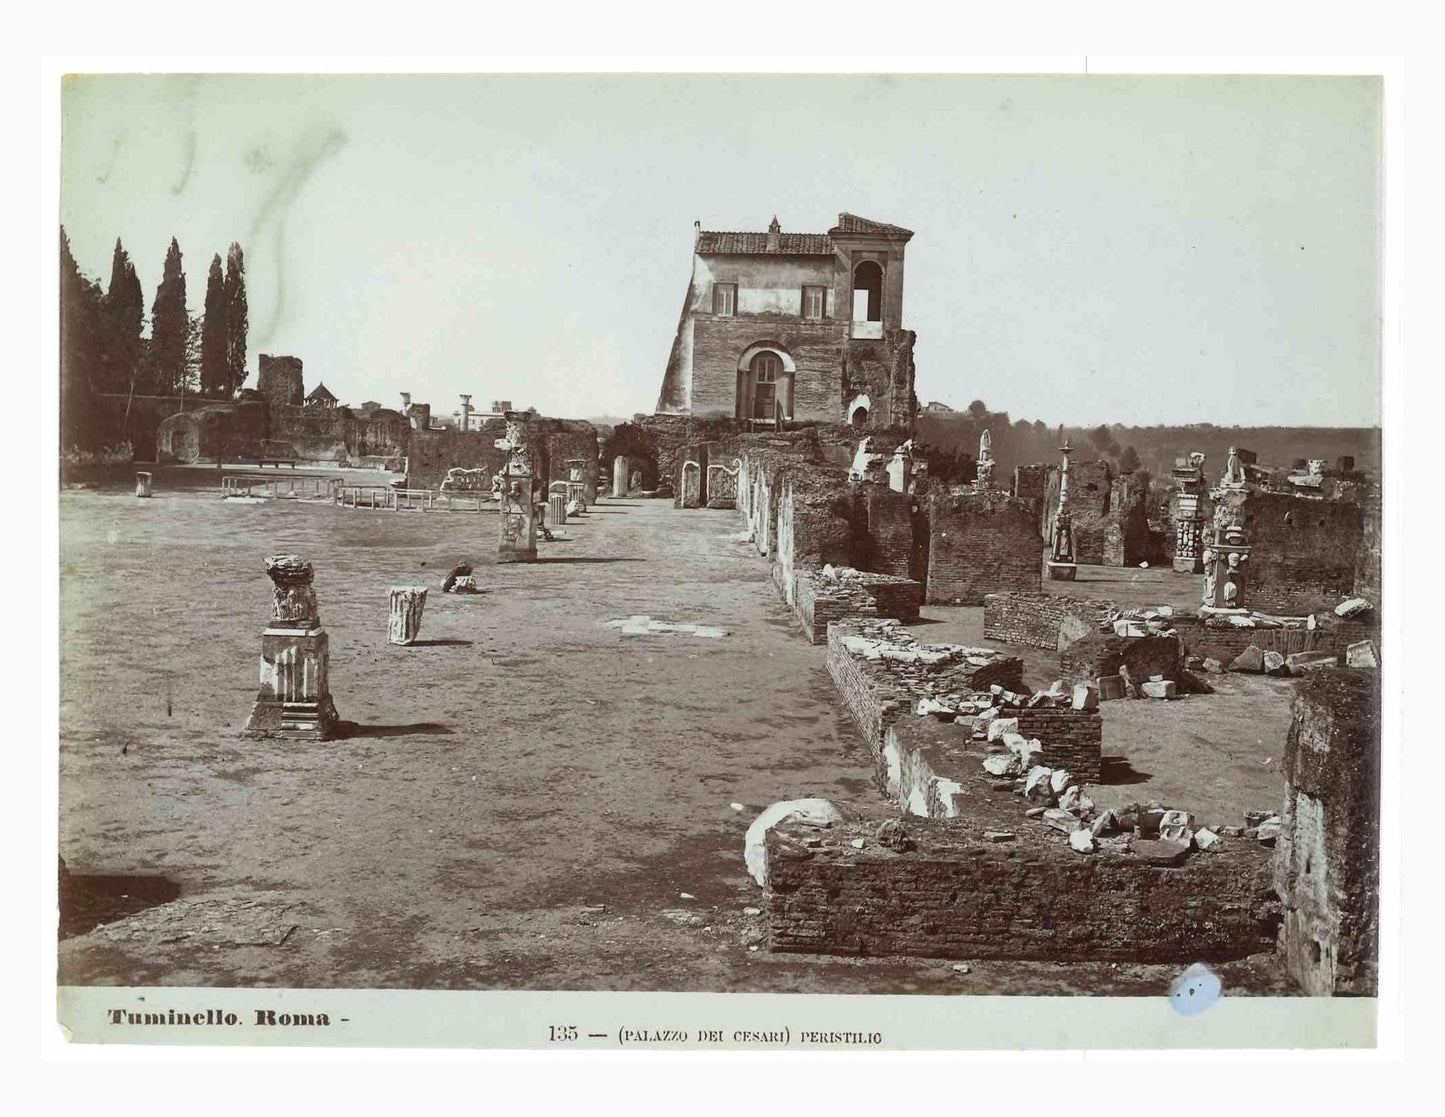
(747,533)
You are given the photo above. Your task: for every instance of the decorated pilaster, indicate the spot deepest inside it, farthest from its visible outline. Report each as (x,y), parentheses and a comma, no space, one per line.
(295,695)
(1225,564)
(1061,565)
(518,542)
(1189,514)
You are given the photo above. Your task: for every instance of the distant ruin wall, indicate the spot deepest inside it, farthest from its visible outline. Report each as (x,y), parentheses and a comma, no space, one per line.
(1303,552)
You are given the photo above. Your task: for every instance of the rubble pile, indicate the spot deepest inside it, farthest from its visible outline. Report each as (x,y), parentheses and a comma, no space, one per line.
(951,675)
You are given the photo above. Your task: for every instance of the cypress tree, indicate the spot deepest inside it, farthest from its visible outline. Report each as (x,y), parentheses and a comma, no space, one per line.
(235,292)
(170,326)
(215,372)
(81,367)
(124,319)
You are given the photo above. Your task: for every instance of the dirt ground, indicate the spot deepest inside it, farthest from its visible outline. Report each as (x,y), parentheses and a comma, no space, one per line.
(521,798)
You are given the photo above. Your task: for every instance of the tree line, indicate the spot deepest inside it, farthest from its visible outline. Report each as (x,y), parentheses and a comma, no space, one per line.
(103,349)
(948,441)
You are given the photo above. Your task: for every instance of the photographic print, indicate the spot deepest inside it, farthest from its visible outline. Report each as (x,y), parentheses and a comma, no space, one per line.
(887,534)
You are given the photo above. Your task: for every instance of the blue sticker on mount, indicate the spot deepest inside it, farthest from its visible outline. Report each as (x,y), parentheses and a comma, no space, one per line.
(1194,990)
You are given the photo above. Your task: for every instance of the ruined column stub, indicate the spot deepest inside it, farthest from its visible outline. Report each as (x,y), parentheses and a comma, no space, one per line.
(405,607)
(294,699)
(518,541)
(619,476)
(983,479)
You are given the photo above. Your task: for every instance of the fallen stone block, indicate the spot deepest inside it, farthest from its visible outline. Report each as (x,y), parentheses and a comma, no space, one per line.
(1081,841)
(1206,840)
(1160,852)
(1069,799)
(814,812)
(1086,697)
(1059,779)
(892,834)
(999,726)
(1362,654)
(1175,826)
(1164,689)
(1250,660)
(1065,821)
(1311,661)
(1110,687)
(1274,664)
(1119,843)
(1352,607)
(1212,666)
(1003,764)
(1036,788)
(1194,662)
(998,836)
(1106,823)
(1268,831)
(1034,812)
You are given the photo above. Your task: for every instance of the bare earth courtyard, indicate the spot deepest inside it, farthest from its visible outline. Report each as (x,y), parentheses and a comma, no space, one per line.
(522,798)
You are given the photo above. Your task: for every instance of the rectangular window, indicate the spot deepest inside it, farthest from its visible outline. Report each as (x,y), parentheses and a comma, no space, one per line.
(724,299)
(813,302)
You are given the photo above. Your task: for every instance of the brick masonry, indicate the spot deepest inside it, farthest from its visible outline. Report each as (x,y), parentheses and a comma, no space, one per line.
(981,543)
(1303,552)
(1071,739)
(958,896)
(820,601)
(1039,620)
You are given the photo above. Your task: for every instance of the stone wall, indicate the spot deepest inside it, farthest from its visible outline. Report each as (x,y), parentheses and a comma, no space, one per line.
(554,442)
(957,896)
(1098,653)
(279,379)
(1040,620)
(1327,862)
(1216,638)
(981,543)
(884,530)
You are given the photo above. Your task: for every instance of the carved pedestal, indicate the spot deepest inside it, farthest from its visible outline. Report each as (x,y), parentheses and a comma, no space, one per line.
(1062,571)
(294,699)
(404,617)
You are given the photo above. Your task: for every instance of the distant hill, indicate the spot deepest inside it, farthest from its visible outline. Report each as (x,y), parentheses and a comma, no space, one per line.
(1022,442)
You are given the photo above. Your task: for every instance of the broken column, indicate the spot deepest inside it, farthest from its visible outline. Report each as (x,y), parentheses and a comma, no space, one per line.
(466,412)
(142,484)
(557,507)
(619,476)
(518,542)
(577,483)
(295,695)
(404,615)
(1061,564)
(983,478)
(1327,857)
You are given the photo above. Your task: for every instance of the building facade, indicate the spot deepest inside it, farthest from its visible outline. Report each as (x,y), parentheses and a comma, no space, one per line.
(807,327)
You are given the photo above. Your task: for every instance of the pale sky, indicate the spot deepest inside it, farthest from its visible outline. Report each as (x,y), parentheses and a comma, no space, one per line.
(1087,249)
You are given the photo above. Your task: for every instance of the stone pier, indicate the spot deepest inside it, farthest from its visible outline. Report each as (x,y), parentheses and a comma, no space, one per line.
(294,699)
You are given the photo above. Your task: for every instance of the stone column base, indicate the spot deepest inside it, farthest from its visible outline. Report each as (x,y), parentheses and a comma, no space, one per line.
(294,699)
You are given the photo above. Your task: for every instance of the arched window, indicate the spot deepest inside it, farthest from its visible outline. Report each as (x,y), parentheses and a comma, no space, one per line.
(868,292)
(767,367)
(859,417)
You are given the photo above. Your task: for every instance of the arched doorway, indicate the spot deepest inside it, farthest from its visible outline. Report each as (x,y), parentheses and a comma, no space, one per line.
(765,383)
(859,418)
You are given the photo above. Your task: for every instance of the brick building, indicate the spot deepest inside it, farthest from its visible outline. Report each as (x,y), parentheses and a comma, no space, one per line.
(808,327)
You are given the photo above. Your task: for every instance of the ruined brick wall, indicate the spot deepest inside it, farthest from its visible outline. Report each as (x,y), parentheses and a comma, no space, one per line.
(1031,483)
(1126,532)
(872,710)
(279,380)
(1222,641)
(884,529)
(1327,860)
(432,453)
(1090,486)
(314,433)
(980,544)
(1303,552)
(1098,653)
(1367,559)
(812,526)
(381,437)
(233,432)
(883,370)
(956,896)
(1071,739)
(1038,620)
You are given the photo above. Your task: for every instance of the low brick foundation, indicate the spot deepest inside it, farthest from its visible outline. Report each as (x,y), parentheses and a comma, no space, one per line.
(819,601)
(1072,739)
(1098,654)
(957,895)
(1037,620)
